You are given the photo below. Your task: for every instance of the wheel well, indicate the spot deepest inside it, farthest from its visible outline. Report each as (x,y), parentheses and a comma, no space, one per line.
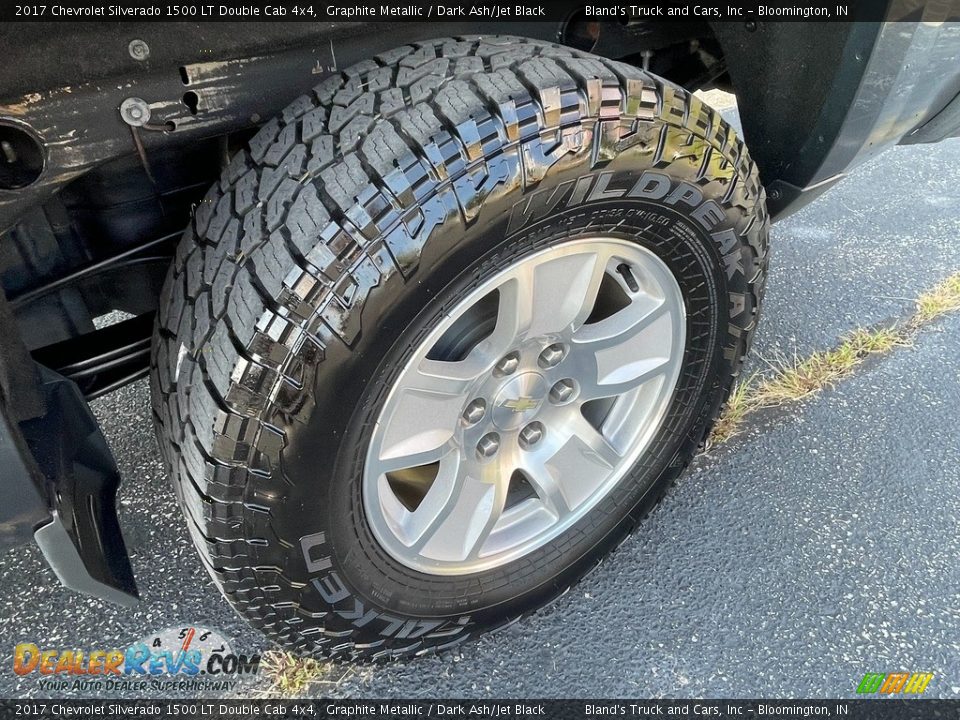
(87,244)
(686,53)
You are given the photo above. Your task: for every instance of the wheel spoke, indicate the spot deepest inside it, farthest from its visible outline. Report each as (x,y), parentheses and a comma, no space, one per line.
(547,299)
(435,501)
(541,476)
(455,529)
(574,459)
(425,414)
(591,443)
(413,458)
(625,350)
(445,378)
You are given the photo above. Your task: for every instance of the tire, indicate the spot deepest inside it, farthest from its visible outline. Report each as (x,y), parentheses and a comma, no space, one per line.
(344,234)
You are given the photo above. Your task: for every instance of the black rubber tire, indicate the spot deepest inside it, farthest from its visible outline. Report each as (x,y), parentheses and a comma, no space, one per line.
(340,236)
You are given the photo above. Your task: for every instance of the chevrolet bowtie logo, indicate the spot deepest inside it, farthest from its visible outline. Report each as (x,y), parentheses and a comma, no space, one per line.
(521,404)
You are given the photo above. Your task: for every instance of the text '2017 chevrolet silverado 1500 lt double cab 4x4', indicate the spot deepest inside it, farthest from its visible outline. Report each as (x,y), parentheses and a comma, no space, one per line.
(455,304)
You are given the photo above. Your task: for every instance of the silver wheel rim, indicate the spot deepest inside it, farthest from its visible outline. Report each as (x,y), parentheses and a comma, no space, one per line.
(525,406)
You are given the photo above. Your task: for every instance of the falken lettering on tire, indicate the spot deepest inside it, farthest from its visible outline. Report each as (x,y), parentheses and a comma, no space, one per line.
(342,235)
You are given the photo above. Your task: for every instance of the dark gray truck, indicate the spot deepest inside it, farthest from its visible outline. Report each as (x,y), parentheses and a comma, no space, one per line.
(455,303)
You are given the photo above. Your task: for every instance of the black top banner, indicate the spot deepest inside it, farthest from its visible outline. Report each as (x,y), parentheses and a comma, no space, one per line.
(482,709)
(481,10)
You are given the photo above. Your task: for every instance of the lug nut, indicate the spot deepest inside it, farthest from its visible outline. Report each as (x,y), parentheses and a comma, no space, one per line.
(475,411)
(551,356)
(508,365)
(562,391)
(489,445)
(531,435)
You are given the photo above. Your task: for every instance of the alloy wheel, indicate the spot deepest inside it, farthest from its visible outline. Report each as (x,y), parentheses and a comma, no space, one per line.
(524,406)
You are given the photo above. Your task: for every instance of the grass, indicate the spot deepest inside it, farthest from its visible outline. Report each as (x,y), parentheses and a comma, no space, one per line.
(739,405)
(797,378)
(291,675)
(942,299)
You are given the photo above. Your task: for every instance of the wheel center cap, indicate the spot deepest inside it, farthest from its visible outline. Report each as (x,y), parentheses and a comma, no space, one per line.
(519,400)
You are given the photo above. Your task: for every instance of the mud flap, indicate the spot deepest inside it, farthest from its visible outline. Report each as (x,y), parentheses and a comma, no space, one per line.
(82,540)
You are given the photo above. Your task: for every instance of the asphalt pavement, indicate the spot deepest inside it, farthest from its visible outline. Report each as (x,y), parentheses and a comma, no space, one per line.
(819,545)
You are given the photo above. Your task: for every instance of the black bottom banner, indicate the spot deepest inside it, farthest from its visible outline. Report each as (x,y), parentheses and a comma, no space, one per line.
(860,709)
